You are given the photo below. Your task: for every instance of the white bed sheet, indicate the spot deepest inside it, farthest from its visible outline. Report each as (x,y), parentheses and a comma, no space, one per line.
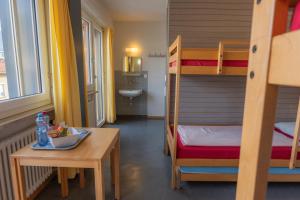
(286,127)
(221,136)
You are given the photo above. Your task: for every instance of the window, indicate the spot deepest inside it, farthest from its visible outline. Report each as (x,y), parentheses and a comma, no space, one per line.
(93,60)
(20,59)
(98,57)
(2,91)
(24,80)
(86,34)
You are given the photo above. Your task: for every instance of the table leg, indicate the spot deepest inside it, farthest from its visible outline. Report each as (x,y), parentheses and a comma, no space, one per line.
(17,175)
(116,169)
(99,181)
(21,180)
(81,178)
(64,181)
(14,178)
(18,179)
(112,166)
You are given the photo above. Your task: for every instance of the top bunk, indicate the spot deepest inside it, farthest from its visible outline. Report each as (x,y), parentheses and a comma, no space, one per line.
(209,61)
(284,57)
(234,61)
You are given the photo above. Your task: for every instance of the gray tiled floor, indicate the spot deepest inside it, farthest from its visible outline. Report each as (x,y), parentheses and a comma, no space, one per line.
(145,172)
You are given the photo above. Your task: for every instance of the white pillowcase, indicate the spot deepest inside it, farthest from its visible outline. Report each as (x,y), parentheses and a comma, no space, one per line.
(286,127)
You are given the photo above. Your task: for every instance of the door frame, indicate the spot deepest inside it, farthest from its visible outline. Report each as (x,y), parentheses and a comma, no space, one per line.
(96,77)
(91,89)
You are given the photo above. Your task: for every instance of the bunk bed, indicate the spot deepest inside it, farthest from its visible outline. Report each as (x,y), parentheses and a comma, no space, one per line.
(221,163)
(274,61)
(210,61)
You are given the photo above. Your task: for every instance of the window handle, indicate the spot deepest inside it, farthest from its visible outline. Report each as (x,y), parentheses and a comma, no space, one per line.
(93,92)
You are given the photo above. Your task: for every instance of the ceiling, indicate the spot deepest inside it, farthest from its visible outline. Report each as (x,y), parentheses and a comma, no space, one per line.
(137,10)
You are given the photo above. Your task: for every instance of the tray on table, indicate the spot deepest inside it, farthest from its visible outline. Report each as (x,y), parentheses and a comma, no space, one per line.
(83,134)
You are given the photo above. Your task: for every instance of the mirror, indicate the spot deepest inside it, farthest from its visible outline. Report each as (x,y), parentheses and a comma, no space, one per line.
(132,64)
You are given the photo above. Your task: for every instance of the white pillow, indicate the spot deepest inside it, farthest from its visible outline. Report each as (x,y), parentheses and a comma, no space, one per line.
(286,127)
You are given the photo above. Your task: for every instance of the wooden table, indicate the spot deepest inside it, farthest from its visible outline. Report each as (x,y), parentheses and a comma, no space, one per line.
(91,153)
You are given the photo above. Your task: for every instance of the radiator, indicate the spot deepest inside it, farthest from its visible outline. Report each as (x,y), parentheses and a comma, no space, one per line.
(34,176)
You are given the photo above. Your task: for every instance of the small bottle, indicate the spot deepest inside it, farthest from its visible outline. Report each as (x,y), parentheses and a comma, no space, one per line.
(47,119)
(42,129)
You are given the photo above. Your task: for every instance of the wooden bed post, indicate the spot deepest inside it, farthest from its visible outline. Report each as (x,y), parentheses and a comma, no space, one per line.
(166,146)
(295,148)
(176,111)
(269,19)
(168,87)
(220,57)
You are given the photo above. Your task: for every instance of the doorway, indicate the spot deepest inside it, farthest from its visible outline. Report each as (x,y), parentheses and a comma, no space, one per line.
(98,62)
(93,54)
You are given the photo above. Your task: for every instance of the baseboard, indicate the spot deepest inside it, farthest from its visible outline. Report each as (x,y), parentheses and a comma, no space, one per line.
(156,117)
(140,117)
(130,116)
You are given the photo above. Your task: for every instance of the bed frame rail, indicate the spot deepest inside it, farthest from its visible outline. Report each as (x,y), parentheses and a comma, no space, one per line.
(175,55)
(221,51)
(170,141)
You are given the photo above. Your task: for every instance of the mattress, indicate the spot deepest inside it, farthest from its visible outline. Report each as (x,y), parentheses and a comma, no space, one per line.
(286,128)
(212,63)
(222,136)
(228,152)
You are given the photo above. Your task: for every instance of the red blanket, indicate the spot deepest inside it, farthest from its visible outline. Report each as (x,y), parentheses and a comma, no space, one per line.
(295,25)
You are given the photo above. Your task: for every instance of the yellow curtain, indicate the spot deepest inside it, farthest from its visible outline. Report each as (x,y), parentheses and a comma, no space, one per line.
(64,67)
(109,79)
(65,77)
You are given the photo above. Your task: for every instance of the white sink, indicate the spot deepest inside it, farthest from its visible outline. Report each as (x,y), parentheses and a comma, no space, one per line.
(131,93)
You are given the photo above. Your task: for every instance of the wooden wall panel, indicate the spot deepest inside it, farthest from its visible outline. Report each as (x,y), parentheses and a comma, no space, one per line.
(220,100)
(215,99)
(204,23)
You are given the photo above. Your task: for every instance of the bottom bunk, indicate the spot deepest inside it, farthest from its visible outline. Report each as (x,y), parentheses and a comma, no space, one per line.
(229,174)
(223,142)
(211,153)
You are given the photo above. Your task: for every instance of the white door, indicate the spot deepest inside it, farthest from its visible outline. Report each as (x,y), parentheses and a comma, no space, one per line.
(98,62)
(93,56)
(89,72)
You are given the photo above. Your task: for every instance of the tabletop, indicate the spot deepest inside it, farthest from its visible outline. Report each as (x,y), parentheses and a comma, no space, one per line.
(94,147)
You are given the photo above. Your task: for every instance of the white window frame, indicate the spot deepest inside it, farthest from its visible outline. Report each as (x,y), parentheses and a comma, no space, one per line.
(90,44)
(38,102)
(94,25)
(99,29)
(3,89)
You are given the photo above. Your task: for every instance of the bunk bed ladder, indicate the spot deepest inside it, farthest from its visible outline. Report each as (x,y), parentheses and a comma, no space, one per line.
(295,148)
(174,56)
(220,58)
(274,62)
(176,113)
(221,50)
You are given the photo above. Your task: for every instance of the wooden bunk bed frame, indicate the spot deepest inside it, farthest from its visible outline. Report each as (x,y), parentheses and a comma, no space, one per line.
(260,104)
(220,54)
(274,61)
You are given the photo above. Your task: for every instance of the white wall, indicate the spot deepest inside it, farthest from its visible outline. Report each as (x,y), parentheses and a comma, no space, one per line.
(99,12)
(149,37)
